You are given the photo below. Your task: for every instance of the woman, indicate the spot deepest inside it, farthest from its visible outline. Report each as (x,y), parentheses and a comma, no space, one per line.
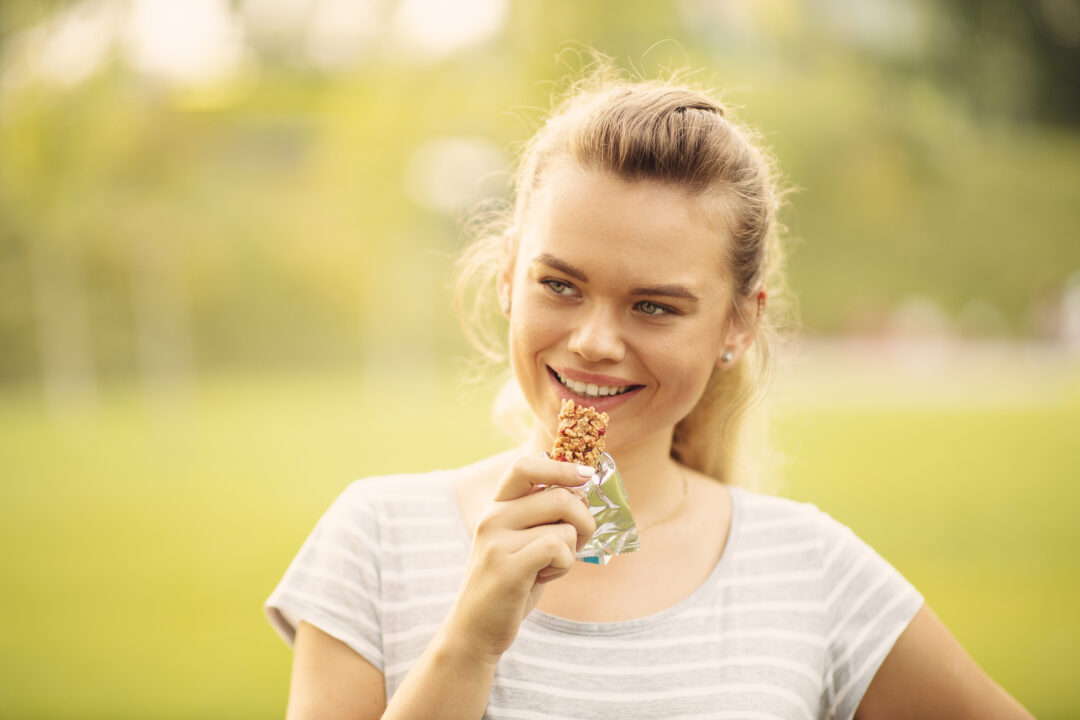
(634,273)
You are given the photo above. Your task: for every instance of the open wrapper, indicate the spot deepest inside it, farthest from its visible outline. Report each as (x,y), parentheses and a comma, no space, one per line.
(616,533)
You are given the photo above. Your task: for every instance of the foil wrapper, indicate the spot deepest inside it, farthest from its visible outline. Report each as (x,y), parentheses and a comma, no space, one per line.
(616,533)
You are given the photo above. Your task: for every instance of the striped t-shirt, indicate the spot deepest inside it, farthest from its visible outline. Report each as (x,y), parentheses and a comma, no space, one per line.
(793,621)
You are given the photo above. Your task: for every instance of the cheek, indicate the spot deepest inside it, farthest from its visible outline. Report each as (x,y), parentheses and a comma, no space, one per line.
(531,331)
(685,362)
(687,373)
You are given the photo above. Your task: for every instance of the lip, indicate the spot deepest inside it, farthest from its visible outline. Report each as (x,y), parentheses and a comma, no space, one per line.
(601,404)
(579,376)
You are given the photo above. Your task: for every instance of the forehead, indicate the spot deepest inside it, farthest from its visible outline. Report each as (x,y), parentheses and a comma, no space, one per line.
(639,230)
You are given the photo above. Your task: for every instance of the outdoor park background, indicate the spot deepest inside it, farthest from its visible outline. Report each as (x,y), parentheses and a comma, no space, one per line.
(226,232)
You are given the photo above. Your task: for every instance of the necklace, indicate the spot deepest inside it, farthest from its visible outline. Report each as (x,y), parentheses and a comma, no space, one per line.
(675,510)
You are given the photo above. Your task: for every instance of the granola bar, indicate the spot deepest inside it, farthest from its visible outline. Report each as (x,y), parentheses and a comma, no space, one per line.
(580,437)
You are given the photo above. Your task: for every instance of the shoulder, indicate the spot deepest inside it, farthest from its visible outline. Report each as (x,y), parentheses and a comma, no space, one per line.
(433,490)
(375,497)
(388,488)
(758,510)
(764,503)
(765,520)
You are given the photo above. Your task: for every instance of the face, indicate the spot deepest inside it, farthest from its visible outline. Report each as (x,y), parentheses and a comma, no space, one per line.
(619,300)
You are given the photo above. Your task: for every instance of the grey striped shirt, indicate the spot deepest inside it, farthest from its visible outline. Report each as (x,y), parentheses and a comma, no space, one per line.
(793,622)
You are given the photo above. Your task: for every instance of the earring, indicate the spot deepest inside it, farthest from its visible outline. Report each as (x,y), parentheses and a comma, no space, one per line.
(728,356)
(505,306)
(760,304)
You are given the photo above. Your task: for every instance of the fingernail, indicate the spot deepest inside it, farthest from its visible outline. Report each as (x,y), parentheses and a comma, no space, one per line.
(585,471)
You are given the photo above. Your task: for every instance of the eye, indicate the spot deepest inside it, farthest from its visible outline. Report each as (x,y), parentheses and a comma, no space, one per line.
(651,308)
(558,286)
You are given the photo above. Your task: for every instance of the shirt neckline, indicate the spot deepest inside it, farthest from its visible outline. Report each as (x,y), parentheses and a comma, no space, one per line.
(622,627)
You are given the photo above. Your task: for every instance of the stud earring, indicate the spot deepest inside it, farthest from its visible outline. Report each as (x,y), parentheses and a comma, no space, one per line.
(728,356)
(505,305)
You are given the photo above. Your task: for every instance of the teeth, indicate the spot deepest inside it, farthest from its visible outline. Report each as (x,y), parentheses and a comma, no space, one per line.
(591,390)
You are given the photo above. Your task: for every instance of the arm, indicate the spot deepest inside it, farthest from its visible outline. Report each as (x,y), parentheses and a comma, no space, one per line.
(331,680)
(929,675)
(523,540)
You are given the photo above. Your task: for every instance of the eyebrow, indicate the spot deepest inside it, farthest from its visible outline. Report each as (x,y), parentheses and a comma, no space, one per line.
(676,291)
(562,266)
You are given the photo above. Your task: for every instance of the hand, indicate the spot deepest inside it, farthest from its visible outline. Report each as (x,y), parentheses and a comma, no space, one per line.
(523,540)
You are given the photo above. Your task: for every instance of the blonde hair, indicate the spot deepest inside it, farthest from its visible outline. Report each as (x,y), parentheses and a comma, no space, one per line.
(663,131)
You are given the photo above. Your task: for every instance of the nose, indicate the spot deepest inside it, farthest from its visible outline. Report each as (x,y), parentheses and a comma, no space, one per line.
(597,336)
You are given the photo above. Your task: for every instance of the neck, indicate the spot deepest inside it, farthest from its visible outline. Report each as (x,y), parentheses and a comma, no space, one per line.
(652,478)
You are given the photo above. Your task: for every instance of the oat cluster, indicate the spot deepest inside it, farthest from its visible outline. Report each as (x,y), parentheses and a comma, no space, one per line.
(580,437)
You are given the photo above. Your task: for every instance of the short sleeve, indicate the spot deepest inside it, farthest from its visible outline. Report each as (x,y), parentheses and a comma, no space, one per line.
(333,583)
(868,603)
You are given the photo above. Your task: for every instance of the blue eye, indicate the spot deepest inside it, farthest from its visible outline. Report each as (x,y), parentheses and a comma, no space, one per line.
(650,308)
(559,287)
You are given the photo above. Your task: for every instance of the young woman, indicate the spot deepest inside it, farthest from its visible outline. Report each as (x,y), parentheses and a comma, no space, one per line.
(634,273)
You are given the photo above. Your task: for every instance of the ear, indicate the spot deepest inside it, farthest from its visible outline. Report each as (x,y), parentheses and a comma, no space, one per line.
(742,328)
(504,286)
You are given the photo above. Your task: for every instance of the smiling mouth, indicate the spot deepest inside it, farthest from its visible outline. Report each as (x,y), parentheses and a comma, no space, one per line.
(590,390)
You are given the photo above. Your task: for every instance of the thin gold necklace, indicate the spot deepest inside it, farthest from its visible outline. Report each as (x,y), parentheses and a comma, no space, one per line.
(675,510)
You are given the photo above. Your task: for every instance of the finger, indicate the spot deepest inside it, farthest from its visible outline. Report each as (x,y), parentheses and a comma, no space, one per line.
(554,505)
(550,573)
(546,551)
(529,472)
(564,531)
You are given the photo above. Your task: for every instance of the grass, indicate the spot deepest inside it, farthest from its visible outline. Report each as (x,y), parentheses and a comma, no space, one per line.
(141,540)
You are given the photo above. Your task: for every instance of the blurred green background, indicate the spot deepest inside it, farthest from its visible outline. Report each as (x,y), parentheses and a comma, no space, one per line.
(226,236)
